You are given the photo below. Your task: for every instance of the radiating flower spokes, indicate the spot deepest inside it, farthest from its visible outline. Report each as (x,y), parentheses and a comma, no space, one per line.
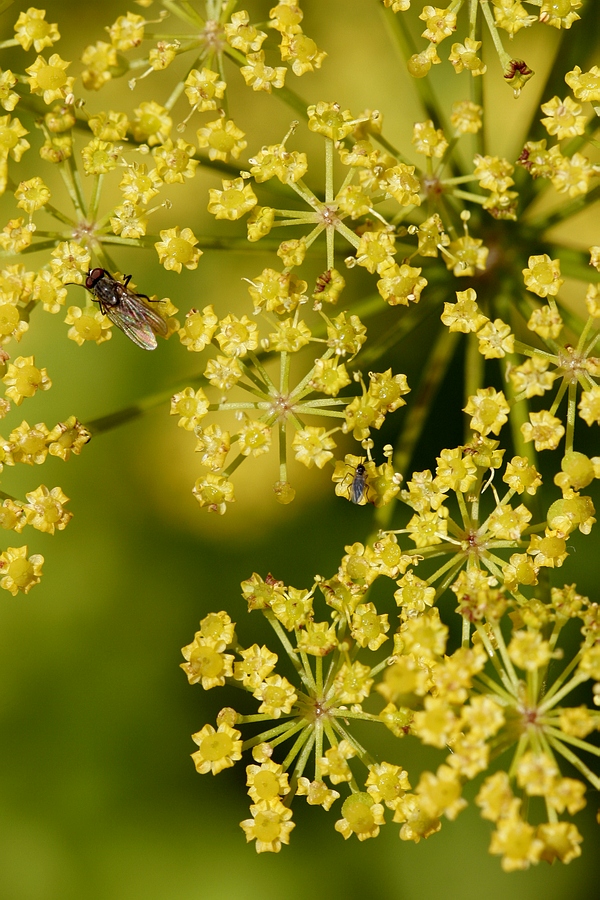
(486,698)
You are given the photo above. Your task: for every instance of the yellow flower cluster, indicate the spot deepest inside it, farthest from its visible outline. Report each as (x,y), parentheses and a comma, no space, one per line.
(381,235)
(492,696)
(509,16)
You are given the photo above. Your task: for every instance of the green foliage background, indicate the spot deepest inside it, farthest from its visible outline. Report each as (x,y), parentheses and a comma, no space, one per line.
(98,797)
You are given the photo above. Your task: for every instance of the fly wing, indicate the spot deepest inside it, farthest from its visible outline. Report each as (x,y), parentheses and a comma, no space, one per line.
(136,320)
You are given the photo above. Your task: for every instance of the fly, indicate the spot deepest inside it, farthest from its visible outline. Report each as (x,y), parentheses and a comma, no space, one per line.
(359,484)
(125,308)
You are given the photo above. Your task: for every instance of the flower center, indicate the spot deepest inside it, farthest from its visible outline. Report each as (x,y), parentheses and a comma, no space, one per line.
(213,36)
(572,364)
(329,216)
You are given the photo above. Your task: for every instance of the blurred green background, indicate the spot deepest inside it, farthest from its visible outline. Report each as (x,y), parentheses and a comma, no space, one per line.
(98,796)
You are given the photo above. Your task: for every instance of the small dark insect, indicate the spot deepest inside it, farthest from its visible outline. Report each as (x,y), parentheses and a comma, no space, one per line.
(125,308)
(359,484)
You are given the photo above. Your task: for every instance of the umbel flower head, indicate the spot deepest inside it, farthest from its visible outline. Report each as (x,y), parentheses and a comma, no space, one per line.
(501,694)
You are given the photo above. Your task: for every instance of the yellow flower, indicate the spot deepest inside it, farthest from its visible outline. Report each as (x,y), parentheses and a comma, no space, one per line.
(489,411)
(66,438)
(128,220)
(303,51)
(12,141)
(330,120)
(286,17)
(29,443)
(400,284)
(529,651)
(495,339)
(544,429)
(387,783)
(258,663)
(312,446)
(241,35)
(88,325)
(369,629)
(16,236)
(516,842)
(206,664)
(109,126)
(465,255)
(559,14)
(549,550)
(261,77)
(174,162)
(317,793)
(440,794)
(585,85)
(203,89)
(139,186)
(561,841)
(152,123)
(335,766)
(277,696)
(401,183)
(20,572)
(589,405)
(275,291)
(464,56)
(219,749)
(267,782)
(293,608)
(23,379)
(233,201)
(440,23)
(223,372)
(542,275)
(236,337)
(31,195)
(8,97)
(176,249)
(269,826)
(361,816)
(254,437)
(318,639)
(31,28)
(214,492)
(45,509)
(532,377)
(223,139)
(213,444)
(49,78)
(69,261)
(12,516)
(563,118)
(99,157)
(99,59)
(127,32)
(428,140)
(191,406)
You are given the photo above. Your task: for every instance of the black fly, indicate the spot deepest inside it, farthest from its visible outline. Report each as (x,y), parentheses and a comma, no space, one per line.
(125,308)
(359,484)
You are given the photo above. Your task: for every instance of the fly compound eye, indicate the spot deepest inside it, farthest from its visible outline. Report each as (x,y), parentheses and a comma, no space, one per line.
(93,276)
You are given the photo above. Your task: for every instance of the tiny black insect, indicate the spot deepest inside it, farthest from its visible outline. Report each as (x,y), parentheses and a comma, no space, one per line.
(359,484)
(125,308)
